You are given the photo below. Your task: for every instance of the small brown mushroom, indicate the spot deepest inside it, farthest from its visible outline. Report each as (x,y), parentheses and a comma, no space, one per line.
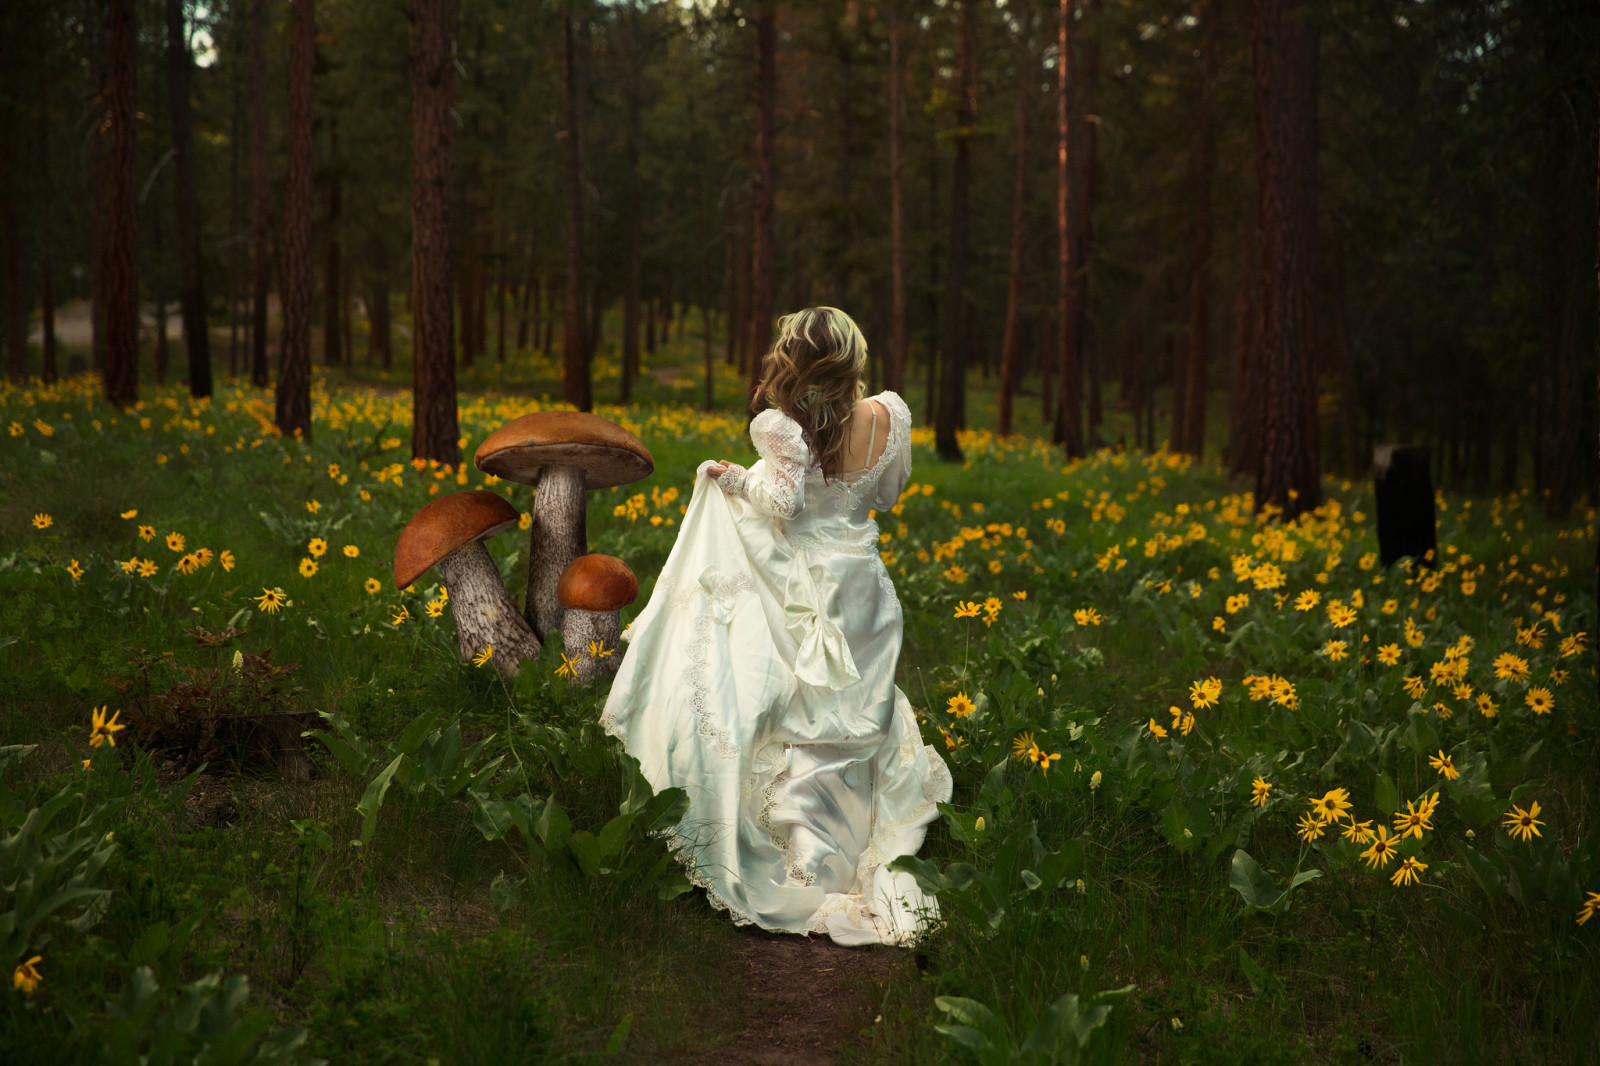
(563,453)
(593,590)
(449,532)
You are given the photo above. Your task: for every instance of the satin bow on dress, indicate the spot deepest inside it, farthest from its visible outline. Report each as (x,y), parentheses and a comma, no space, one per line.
(759,678)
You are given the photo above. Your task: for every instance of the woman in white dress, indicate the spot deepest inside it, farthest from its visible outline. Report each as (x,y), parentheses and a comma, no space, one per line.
(760,676)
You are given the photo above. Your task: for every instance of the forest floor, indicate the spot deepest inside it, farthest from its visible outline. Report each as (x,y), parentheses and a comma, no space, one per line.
(806,998)
(1128,861)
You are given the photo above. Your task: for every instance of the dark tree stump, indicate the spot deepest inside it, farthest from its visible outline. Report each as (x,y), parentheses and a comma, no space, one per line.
(1403,485)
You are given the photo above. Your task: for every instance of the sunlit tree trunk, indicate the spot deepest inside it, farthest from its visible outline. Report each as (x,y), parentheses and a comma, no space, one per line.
(121,376)
(294,354)
(1284,48)
(435,430)
(764,179)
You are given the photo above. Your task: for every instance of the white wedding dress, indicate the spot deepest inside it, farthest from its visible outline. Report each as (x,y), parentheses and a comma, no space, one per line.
(760,679)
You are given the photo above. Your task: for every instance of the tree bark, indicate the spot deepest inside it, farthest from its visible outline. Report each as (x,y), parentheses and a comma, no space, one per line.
(380,343)
(1068,430)
(954,350)
(1009,347)
(192,296)
(1085,138)
(435,431)
(260,194)
(47,291)
(894,371)
(16,311)
(122,279)
(763,183)
(1284,54)
(1203,162)
(333,352)
(294,353)
(575,386)
(630,290)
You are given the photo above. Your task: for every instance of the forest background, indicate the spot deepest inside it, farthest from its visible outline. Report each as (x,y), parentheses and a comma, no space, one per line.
(1329,225)
(1089,240)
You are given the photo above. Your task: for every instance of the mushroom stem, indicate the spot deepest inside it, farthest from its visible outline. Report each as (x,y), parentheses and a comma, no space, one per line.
(558,534)
(485,614)
(578,628)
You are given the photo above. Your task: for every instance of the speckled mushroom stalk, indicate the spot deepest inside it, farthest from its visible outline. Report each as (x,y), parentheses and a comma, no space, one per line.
(449,533)
(593,590)
(484,612)
(565,454)
(559,534)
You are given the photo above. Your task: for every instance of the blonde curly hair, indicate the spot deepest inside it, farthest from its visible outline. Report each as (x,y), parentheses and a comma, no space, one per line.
(813,374)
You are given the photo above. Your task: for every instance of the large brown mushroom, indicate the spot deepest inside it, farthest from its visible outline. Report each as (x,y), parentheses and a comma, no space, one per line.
(593,590)
(449,533)
(563,453)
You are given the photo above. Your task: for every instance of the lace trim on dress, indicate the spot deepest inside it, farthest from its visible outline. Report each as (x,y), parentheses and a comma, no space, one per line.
(936,788)
(715,593)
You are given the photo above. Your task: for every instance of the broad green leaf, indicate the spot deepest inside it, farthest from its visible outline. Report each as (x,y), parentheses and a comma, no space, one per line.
(1385,796)
(1258,977)
(372,799)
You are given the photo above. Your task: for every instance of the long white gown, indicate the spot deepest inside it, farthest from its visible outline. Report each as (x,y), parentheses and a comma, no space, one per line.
(760,679)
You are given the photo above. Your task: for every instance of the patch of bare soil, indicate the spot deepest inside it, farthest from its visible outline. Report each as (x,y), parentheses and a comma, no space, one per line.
(805,998)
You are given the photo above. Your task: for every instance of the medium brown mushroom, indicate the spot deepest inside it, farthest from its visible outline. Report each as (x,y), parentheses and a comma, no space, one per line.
(563,453)
(449,532)
(593,590)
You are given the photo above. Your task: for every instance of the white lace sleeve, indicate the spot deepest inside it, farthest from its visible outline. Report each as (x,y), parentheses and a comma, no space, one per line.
(897,459)
(776,485)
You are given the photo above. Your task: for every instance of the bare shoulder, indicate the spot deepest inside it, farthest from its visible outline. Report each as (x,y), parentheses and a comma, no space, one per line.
(891,403)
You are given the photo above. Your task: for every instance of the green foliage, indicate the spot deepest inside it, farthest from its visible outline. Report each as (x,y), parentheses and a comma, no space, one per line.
(1069,1032)
(51,860)
(205,1023)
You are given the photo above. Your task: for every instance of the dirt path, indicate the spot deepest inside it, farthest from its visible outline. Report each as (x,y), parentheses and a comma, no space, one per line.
(806,998)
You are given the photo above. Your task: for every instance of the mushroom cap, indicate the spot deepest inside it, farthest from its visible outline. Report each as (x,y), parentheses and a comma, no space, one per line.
(608,454)
(446,524)
(597,583)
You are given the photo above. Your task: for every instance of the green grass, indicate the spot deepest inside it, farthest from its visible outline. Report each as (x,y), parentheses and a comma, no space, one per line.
(393,952)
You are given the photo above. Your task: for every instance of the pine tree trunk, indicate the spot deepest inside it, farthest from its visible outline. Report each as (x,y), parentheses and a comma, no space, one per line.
(122,279)
(574,351)
(1284,53)
(1085,135)
(15,311)
(763,182)
(1203,162)
(1244,418)
(196,334)
(954,347)
(380,343)
(895,366)
(333,352)
(47,292)
(294,354)
(435,430)
(235,211)
(1012,343)
(97,175)
(1068,430)
(261,193)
